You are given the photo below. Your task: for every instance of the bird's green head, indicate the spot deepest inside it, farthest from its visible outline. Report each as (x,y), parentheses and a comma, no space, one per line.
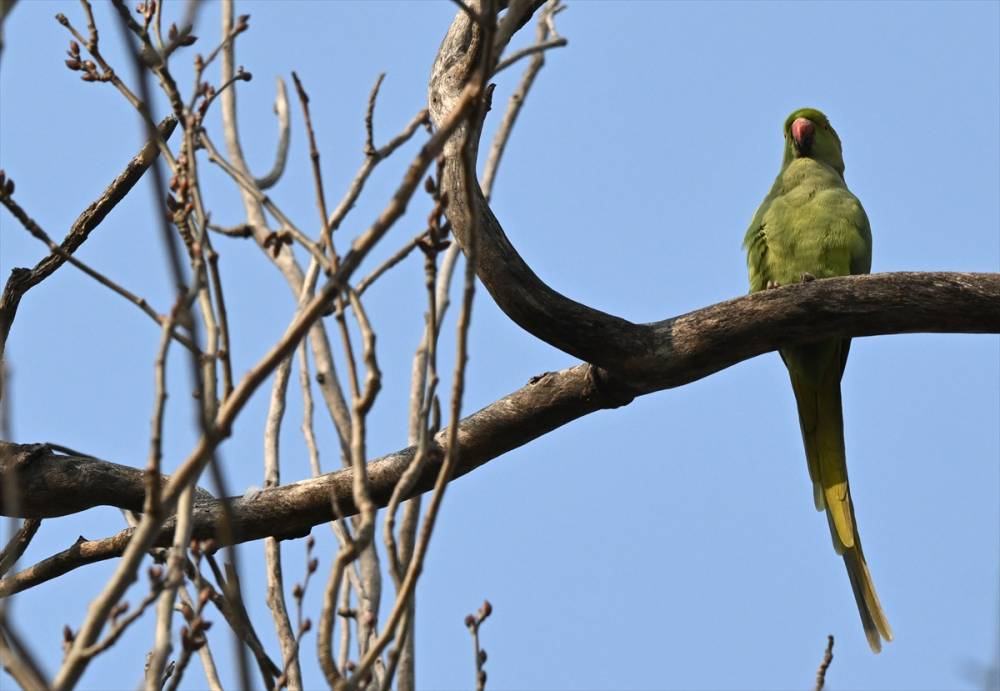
(808,134)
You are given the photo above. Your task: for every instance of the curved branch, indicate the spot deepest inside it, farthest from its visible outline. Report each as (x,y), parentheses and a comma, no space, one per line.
(649,356)
(284,137)
(694,345)
(572,327)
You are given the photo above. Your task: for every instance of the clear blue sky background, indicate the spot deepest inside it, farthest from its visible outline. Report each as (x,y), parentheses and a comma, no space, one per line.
(668,544)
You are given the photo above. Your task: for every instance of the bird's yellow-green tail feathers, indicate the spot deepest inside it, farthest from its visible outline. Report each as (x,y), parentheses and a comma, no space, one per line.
(821,419)
(872,616)
(815,374)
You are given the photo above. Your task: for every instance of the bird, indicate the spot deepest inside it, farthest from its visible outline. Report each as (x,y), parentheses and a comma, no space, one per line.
(811,226)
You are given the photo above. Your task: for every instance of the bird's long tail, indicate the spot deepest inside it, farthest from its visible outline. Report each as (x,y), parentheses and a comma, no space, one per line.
(815,372)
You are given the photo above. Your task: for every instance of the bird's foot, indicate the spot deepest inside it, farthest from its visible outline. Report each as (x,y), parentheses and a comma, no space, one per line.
(772,284)
(806,277)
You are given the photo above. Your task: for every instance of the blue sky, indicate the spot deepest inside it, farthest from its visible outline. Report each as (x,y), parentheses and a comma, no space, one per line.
(670,544)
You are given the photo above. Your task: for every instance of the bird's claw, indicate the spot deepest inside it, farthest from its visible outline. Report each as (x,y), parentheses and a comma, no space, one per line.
(806,277)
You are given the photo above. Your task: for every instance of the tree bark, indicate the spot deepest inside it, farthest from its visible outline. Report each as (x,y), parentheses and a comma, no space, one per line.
(691,346)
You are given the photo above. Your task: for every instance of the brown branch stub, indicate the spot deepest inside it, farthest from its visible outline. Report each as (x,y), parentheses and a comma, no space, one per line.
(825,664)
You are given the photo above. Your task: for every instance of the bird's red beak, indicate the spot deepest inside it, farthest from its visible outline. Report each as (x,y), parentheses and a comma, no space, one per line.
(802,135)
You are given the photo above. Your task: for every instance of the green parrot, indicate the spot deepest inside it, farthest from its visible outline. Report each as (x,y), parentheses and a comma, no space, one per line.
(811,226)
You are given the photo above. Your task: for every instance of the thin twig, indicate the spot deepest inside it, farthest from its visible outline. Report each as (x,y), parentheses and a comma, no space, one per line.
(422,397)
(234,616)
(81,228)
(193,636)
(396,654)
(370,116)
(326,234)
(120,625)
(176,561)
(231,32)
(304,624)
(205,651)
(224,351)
(530,50)
(18,543)
(423,385)
(308,432)
(473,622)
(22,285)
(17,659)
(146,57)
(108,74)
(232,607)
(272,549)
(544,29)
(399,256)
(371,571)
(358,183)
(203,373)
(284,138)
(240,76)
(238,231)
(351,549)
(152,504)
(825,664)
(250,188)
(346,615)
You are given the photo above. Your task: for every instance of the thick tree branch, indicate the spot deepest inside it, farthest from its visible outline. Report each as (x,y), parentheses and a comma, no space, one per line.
(574,328)
(697,344)
(58,484)
(646,357)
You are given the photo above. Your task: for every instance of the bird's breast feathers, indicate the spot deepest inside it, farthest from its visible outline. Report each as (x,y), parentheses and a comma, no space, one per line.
(812,224)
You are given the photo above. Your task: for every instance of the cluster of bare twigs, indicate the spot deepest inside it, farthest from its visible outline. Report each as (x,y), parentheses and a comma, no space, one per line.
(369,653)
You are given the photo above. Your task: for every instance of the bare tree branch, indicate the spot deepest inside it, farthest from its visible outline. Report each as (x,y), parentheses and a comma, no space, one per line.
(149,528)
(530,50)
(702,342)
(22,280)
(574,328)
(284,137)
